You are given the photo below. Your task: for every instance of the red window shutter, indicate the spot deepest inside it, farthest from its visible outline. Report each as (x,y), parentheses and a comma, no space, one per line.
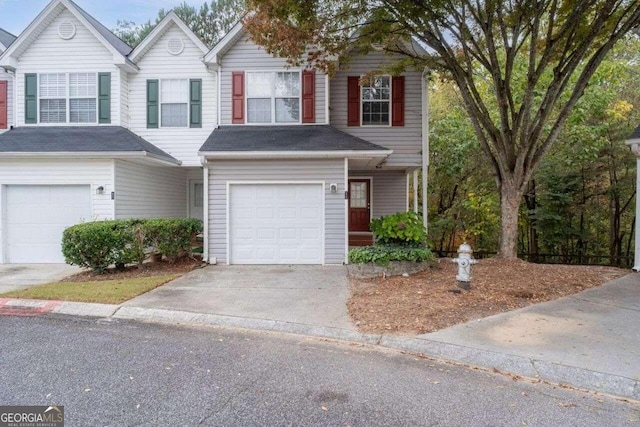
(309,96)
(353,101)
(237,97)
(3,105)
(397,101)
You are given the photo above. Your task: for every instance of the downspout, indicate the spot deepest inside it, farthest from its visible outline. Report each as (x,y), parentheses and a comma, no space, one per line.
(425,145)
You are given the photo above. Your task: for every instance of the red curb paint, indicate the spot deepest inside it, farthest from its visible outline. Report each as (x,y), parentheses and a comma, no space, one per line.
(24,311)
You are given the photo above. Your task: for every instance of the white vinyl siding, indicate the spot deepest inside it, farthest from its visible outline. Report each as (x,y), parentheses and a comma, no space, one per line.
(389,191)
(124,98)
(84,53)
(93,173)
(157,63)
(247,56)
(150,191)
(327,171)
(405,141)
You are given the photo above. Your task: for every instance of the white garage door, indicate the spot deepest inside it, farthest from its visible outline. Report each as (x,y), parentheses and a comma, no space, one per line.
(36,217)
(276,223)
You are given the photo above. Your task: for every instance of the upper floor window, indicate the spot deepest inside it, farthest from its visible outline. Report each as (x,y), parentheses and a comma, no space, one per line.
(376,102)
(273,97)
(174,100)
(68,97)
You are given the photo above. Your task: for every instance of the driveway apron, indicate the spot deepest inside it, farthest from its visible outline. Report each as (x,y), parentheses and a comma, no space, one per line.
(311,295)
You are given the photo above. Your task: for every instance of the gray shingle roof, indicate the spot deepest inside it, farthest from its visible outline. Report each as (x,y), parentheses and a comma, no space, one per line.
(6,38)
(635,134)
(76,139)
(114,40)
(284,138)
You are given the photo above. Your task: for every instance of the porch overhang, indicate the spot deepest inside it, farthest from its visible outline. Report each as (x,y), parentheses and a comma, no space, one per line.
(86,142)
(289,142)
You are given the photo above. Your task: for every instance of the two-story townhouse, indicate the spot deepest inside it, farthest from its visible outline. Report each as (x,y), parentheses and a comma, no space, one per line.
(101,131)
(301,162)
(284,165)
(6,85)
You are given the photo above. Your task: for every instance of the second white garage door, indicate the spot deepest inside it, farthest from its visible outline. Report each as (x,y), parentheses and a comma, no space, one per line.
(36,217)
(276,223)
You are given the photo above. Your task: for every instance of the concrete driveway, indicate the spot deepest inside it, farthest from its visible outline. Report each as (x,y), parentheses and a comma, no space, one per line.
(311,295)
(18,276)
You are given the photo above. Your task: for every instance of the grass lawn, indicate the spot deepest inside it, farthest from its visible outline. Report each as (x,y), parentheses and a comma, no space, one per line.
(103,291)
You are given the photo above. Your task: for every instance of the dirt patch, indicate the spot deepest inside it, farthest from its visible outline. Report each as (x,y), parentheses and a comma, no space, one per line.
(430,300)
(148,269)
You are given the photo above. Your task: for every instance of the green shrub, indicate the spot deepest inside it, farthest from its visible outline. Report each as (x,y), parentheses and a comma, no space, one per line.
(98,245)
(171,237)
(382,255)
(401,229)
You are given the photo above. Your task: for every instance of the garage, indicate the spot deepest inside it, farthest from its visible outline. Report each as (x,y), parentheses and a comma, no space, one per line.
(276,223)
(36,216)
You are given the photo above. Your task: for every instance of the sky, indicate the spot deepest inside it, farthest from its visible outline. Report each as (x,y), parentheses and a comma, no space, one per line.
(15,15)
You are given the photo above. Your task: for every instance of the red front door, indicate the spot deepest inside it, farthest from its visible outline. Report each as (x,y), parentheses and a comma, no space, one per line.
(359,204)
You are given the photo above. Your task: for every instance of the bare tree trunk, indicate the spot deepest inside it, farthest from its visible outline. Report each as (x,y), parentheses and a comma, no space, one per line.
(510,198)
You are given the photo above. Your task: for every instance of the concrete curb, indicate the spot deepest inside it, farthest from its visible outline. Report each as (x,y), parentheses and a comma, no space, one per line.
(523,366)
(204,319)
(519,365)
(85,309)
(503,362)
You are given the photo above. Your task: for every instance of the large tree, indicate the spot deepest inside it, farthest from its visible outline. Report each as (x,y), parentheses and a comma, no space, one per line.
(210,22)
(520,65)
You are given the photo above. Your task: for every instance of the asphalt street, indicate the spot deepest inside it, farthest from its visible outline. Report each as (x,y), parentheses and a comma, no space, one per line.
(124,373)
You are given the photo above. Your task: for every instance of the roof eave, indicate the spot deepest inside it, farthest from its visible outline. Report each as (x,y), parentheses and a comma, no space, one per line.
(91,155)
(332,154)
(214,55)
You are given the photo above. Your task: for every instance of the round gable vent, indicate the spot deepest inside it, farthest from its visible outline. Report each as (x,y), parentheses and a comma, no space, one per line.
(66,30)
(175,46)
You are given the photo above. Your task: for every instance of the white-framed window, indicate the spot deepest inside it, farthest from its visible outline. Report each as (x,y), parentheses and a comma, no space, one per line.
(68,97)
(273,97)
(174,103)
(53,98)
(83,93)
(376,102)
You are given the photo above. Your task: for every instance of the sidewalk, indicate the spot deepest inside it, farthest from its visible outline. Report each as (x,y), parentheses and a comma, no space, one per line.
(589,340)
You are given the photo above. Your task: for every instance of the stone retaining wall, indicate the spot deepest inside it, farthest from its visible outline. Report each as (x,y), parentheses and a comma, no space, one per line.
(395,268)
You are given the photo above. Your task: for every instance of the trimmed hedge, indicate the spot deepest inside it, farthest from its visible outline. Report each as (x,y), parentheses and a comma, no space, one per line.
(401,229)
(383,255)
(98,245)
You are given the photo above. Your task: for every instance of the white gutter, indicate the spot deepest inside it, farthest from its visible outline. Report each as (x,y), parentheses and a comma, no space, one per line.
(425,146)
(205,216)
(91,155)
(338,154)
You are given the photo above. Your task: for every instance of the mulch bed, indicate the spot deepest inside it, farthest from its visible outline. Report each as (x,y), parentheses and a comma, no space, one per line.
(148,269)
(425,302)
